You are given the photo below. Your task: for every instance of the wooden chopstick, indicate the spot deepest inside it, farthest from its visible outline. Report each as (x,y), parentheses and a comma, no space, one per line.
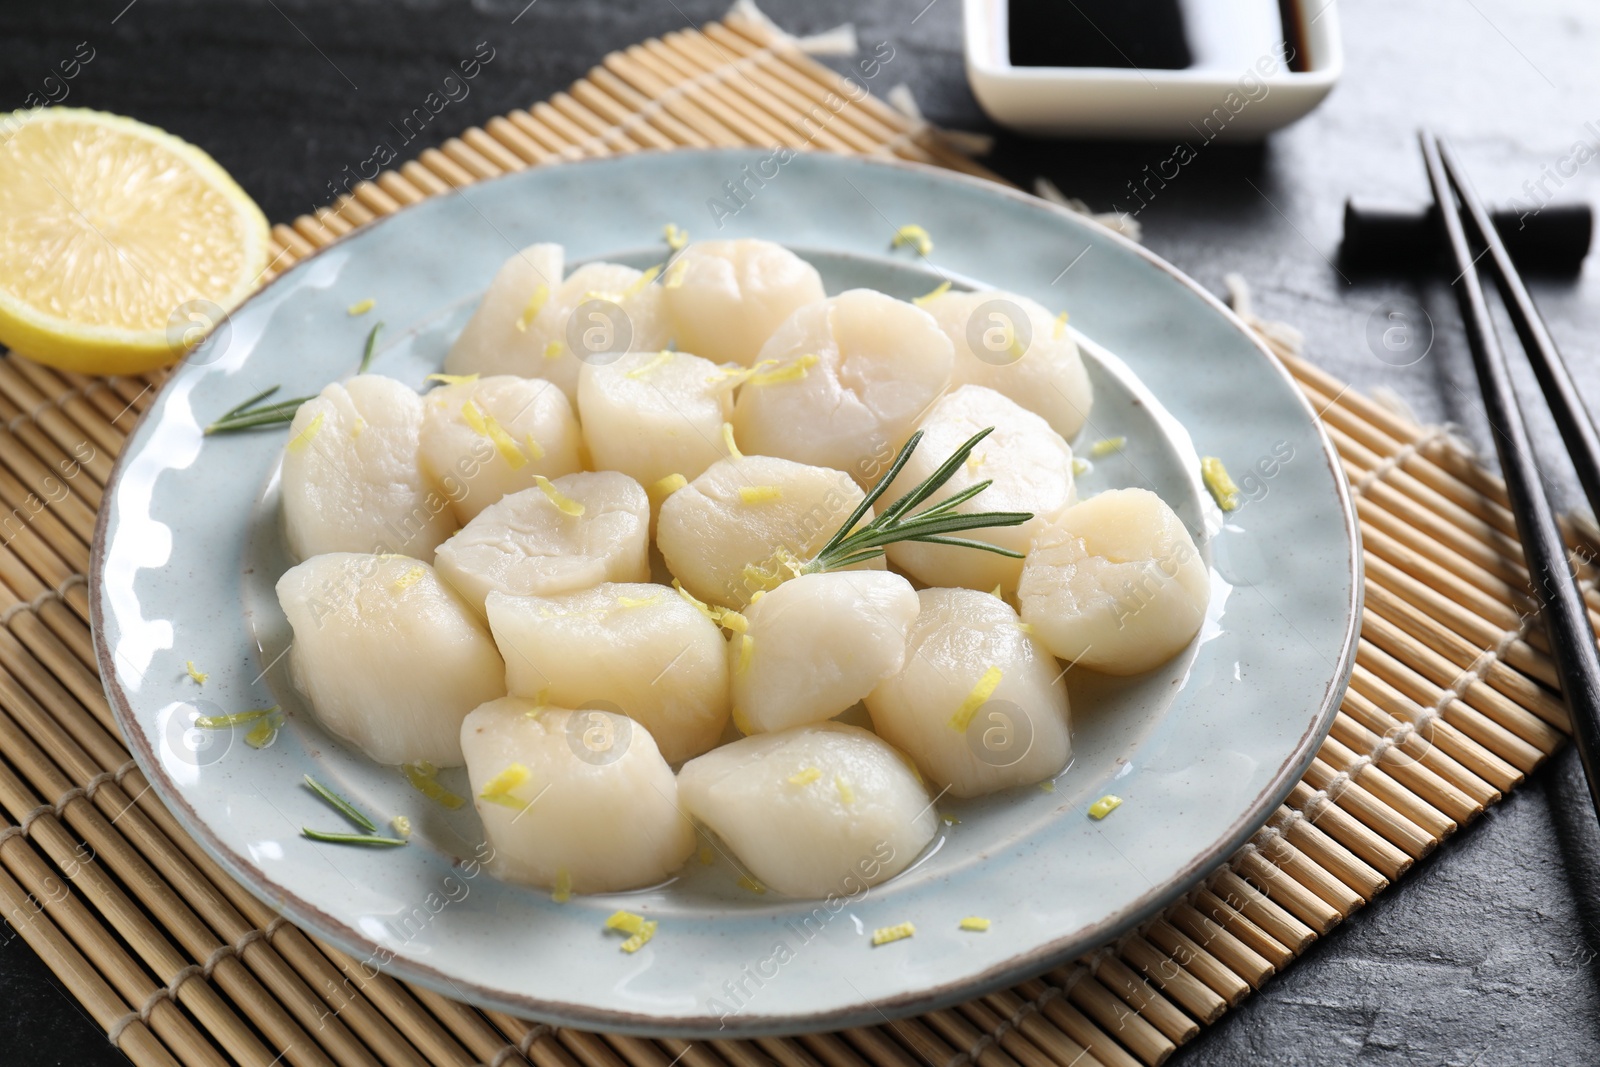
(1572,641)
(1572,418)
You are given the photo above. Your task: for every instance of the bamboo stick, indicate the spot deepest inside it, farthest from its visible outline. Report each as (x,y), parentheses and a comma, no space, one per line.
(1215,938)
(1362,713)
(1197,960)
(1184,988)
(1327,852)
(1144,1041)
(830,1050)
(1063,1014)
(1028,1017)
(124,973)
(80,977)
(1462,653)
(1354,835)
(1426,671)
(1360,804)
(1441,731)
(1399,779)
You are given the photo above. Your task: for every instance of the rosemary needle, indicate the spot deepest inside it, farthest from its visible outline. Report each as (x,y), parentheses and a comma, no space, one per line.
(341,805)
(351,839)
(371,349)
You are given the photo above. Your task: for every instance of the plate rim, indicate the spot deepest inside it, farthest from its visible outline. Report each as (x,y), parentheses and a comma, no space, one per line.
(926,998)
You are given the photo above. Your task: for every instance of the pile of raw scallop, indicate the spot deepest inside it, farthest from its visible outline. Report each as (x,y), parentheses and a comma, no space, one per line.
(576,562)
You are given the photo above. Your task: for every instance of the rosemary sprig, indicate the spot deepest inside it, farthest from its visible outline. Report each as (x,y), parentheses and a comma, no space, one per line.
(932,525)
(350,839)
(341,805)
(254,413)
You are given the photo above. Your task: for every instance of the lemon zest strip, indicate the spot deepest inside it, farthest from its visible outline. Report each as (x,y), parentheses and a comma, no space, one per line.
(728,441)
(929,297)
(563,888)
(535,304)
(792,371)
(976,699)
(410,578)
(1107,446)
(238,718)
(1060,327)
(974,923)
(747,647)
(759,494)
(626,922)
(486,425)
(642,938)
(423,778)
(914,236)
(676,238)
(669,485)
(805,777)
(662,358)
(1220,482)
(498,789)
(196,673)
(303,438)
(884,935)
(552,349)
(452,379)
(1104,806)
(564,504)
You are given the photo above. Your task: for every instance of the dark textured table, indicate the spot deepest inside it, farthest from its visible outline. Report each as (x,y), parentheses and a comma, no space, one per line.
(1484,954)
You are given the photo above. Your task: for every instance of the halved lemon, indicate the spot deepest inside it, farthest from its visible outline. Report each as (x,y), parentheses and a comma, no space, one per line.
(122,244)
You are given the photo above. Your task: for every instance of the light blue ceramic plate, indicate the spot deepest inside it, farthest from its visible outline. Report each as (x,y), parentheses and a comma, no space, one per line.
(1201,750)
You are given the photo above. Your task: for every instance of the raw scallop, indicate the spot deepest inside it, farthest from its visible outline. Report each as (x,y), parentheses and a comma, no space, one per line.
(816,811)
(387,655)
(1115,583)
(579,800)
(980,704)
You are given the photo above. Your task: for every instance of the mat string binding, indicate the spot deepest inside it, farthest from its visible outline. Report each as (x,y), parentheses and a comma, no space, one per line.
(58,593)
(520,1048)
(87,790)
(170,990)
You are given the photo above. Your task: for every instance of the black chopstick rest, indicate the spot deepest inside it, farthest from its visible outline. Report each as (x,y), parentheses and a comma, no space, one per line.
(1394,238)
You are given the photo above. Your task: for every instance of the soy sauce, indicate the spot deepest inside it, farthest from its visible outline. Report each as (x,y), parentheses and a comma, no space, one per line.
(1145,34)
(1154,34)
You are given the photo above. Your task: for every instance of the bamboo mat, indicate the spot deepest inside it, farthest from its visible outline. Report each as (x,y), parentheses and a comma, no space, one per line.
(1450,706)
